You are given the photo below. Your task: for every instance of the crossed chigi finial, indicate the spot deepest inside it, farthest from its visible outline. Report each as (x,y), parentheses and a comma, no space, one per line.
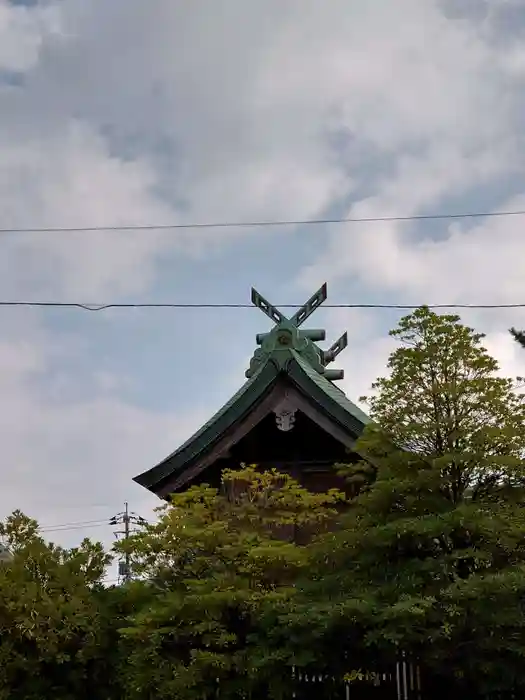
(299,317)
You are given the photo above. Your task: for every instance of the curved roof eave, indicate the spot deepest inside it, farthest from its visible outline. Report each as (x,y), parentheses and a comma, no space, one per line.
(326,394)
(241,402)
(313,385)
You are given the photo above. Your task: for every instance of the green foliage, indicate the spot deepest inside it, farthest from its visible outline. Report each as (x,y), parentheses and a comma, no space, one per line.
(217,567)
(443,581)
(444,400)
(235,587)
(214,575)
(431,556)
(51,622)
(519,336)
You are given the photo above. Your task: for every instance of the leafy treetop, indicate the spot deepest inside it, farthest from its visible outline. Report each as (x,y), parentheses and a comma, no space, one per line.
(444,400)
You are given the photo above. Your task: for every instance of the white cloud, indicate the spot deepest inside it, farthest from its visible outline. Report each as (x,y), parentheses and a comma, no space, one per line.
(74,462)
(367,353)
(230,125)
(21,33)
(510,355)
(168,111)
(71,179)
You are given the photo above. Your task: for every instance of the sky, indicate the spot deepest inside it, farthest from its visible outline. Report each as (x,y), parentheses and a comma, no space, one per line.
(169,112)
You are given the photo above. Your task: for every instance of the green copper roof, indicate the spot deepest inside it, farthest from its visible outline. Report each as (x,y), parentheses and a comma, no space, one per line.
(285,336)
(233,410)
(328,388)
(285,350)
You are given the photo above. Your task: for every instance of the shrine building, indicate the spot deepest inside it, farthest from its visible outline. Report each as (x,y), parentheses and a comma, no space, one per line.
(289,414)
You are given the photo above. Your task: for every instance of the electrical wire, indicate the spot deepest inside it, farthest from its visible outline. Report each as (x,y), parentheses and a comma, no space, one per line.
(169,305)
(78,522)
(73,527)
(80,525)
(262,224)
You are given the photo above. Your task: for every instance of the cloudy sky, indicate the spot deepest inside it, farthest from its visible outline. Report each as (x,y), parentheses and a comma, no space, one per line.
(169,111)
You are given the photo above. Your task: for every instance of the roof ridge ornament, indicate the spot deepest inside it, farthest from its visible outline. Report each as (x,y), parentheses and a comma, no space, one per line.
(286,336)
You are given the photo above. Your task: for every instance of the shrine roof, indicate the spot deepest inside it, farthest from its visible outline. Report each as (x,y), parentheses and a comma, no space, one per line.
(285,355)
(332,391)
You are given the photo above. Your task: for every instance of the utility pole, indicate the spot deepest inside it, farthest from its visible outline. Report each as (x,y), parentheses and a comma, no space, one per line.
(126,519)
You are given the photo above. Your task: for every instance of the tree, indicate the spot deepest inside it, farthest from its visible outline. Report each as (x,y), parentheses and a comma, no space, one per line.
(519,336)
(53,630)
(430,558)
(444,400)
(215,569)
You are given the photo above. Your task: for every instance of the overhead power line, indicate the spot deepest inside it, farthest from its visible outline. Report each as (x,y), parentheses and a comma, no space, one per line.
(80,525)
(73,527)
(74,523)
(263,224)
(145,305)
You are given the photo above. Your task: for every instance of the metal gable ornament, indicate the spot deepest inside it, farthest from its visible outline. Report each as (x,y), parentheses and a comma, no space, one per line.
(285,414)
(276,345)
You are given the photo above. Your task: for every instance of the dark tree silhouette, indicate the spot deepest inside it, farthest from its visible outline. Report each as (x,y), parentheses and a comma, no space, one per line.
(519,336)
